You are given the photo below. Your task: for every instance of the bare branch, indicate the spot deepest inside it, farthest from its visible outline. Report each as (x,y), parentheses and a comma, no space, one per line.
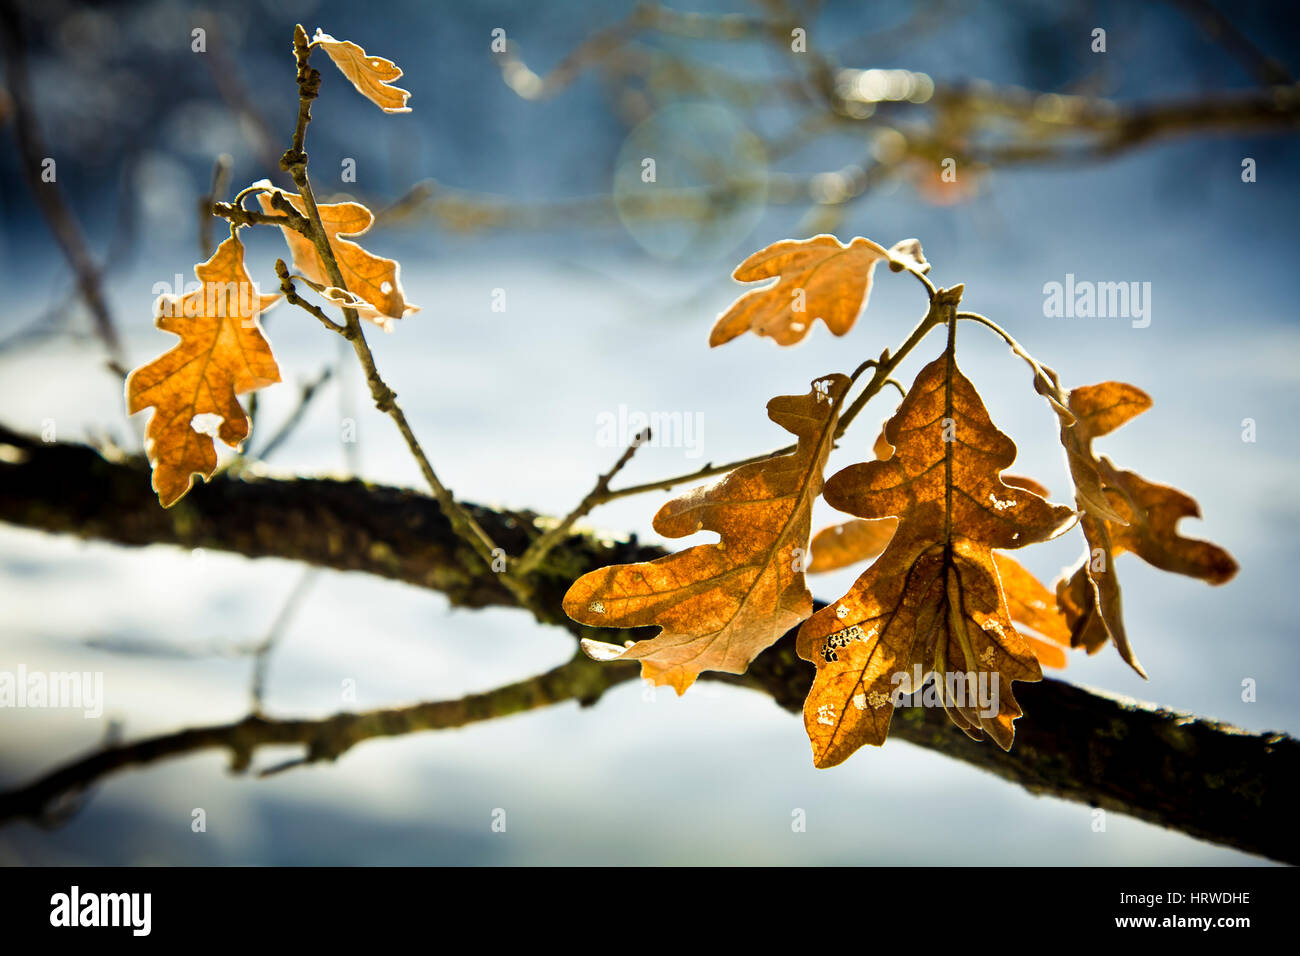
(262,652)
(1219,27)
(306,393)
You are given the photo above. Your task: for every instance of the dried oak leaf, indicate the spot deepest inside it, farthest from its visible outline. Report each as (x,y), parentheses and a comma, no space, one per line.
(817,278)
(1137,516)
(370,277)
(933,599)
(1093,605)
(907,254)
(1079,600)
(222,353)
(1089,597)
(371,75)
(720,604)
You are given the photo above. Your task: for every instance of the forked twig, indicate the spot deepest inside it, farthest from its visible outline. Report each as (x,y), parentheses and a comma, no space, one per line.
(538,550)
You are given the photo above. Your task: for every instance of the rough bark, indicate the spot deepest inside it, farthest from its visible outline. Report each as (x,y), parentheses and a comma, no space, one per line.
(1210,780)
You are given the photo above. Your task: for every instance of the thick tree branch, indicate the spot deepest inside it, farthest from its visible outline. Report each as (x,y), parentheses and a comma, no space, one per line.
(1210,780)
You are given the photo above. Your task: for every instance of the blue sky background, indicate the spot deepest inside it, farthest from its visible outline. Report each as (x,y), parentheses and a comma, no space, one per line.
(507,405)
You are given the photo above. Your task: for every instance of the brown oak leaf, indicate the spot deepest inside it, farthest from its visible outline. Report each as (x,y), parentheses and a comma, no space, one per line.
(1079,602)
(1131,514)
(372,278)
(371,75)
(1153,512)
(932,602)
(222,353)
(817,278)
(908,254)
(720,604)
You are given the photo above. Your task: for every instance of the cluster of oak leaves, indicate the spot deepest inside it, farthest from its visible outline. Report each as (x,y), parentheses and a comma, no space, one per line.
(933,510)
(934,513)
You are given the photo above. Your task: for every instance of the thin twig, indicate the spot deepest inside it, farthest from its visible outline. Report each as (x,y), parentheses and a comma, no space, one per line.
(706,472)
(1220,28)
(308,392)
(888,363)
(881,377)
(262,653)
(326,739)
(239,216)
(220,180)
(293,298)
(1045,380)
(538,550)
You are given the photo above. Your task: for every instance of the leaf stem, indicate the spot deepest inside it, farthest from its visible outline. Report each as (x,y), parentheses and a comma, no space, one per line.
(889,362)
(1046,382)
(238,216)
(293,298)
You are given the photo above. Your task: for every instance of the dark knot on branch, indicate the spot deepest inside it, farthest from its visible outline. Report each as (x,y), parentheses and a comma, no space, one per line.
(293,159)
(309,85)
